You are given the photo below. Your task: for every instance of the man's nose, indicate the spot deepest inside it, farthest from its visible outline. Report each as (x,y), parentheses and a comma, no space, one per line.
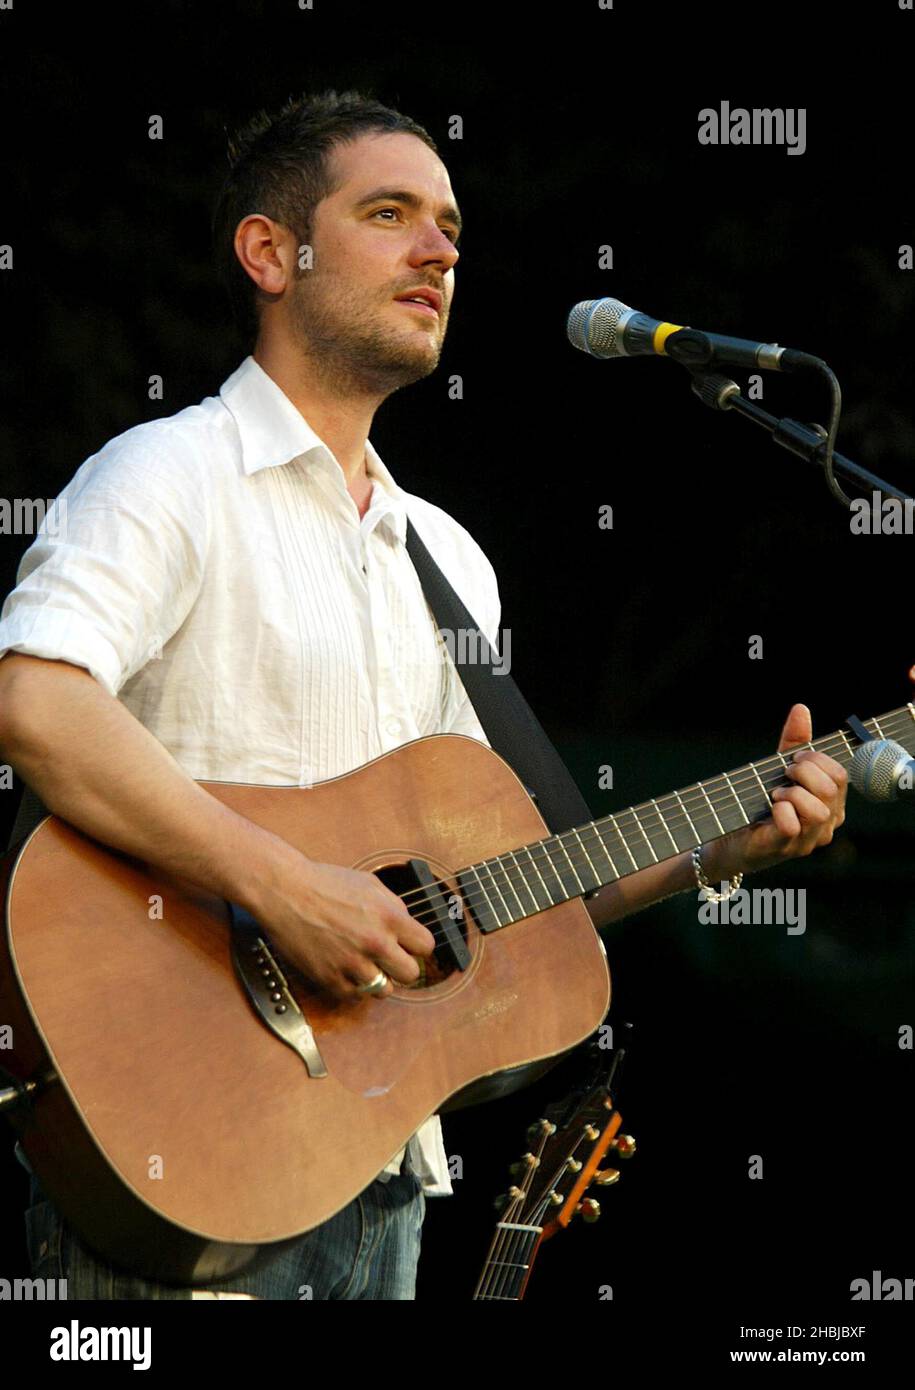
(435,246)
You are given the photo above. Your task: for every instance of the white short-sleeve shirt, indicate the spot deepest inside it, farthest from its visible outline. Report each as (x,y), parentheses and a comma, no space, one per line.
(212,572)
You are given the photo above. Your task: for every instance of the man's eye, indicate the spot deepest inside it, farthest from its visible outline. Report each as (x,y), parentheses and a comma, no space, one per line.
(453,237)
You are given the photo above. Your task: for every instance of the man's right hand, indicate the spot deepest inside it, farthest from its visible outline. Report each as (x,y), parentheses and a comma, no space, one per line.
(340,926)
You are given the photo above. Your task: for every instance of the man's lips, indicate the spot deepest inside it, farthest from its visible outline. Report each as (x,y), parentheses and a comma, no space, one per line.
(420,308)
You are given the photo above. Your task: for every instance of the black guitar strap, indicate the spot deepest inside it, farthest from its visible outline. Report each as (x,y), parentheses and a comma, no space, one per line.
(508,721)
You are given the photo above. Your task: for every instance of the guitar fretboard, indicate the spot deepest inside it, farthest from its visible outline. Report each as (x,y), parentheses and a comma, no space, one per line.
(528,880)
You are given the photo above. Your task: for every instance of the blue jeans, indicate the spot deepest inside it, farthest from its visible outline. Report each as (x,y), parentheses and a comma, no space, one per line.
(368,1250)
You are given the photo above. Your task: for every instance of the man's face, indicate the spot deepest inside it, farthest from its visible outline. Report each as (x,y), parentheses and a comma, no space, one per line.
(388,229)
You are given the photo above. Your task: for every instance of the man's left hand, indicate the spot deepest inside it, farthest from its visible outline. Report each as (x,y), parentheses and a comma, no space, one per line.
(804,816)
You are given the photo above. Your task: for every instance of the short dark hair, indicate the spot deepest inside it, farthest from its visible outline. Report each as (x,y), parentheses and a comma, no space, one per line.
(280,167)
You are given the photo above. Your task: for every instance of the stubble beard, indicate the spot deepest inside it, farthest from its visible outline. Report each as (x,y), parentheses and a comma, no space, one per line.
(347,346)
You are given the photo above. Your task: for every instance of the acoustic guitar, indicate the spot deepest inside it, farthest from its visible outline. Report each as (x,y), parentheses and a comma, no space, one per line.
(186,1098)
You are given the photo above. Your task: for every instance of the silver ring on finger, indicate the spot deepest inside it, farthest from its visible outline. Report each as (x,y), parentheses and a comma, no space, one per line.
(375,986)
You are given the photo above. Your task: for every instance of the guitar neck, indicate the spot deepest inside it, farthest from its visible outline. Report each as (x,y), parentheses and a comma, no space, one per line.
(566,1151)
(509,1262)
(537,876)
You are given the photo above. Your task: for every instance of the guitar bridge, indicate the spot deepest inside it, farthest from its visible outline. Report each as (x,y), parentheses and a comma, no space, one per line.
(267,988)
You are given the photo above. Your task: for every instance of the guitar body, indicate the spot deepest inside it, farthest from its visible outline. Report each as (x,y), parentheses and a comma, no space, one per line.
(179,1136)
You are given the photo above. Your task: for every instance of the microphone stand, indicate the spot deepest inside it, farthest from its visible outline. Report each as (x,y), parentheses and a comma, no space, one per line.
(808,442)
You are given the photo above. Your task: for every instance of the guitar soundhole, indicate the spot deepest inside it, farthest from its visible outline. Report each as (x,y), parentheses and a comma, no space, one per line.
(446,899)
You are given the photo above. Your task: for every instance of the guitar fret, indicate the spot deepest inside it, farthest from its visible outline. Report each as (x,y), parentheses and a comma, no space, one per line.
(571,864)
(664,825)
(848,748)
(596,883)
(546,891)
(486,898)
(878,728)
(550,845)
(511,885)
(600,841)
(548,853)
(696,836)
(505,907)
(626,847)
(721,829)
(644,836)
(526,884)
(762,786)
(736,798)
(622,839)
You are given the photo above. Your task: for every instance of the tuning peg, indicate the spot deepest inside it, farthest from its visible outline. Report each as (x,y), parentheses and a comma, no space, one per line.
(538,1130)
(589,1208)
(605,1177)
(506,1198)
(524,1165)
(623,1145)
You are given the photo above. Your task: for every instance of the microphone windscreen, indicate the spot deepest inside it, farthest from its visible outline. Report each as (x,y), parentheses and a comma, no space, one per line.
(876,768)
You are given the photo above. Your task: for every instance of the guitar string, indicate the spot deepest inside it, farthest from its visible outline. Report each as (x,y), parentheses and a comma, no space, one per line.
(500,1247)
(503,1240)
(701,803)
(499,1279)
(494,1280)
(538,1213)
(514,875)
(698,801)
(513,1209)
(651,820)
(536,1218)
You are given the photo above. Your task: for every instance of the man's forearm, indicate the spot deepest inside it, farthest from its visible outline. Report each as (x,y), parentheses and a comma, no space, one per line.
(676,875)
(93,764)
(641,889)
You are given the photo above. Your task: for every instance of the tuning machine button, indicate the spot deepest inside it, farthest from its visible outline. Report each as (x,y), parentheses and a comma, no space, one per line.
(589,1209)
(538,1130)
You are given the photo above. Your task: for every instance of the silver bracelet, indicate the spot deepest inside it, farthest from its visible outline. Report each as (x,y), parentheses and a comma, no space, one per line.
(706,891)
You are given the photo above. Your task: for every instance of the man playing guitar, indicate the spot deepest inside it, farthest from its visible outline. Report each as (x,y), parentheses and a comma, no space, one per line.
(231,599)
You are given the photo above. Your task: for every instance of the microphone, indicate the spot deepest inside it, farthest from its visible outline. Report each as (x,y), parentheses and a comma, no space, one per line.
(609,328)
(882,770)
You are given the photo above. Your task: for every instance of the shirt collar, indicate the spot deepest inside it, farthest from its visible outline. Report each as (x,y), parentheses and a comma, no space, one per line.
(273,432)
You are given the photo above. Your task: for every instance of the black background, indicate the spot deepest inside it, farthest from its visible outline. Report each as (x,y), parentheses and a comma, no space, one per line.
(580,129)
